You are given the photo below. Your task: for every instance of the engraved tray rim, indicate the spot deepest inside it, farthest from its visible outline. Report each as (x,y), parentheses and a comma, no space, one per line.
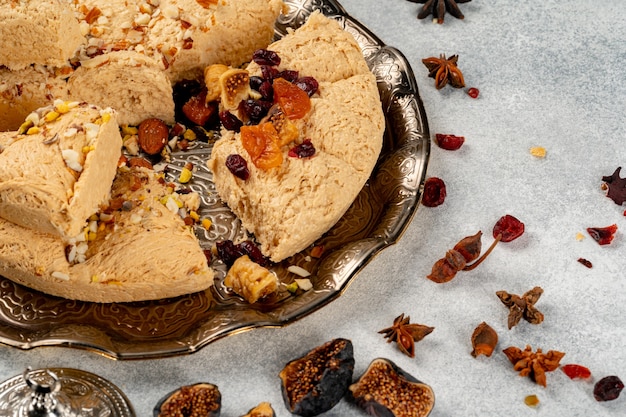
(399,176)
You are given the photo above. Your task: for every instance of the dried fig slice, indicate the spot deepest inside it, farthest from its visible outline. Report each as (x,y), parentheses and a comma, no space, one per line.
(201,399)
(386,390)
(317,381)
(264,409)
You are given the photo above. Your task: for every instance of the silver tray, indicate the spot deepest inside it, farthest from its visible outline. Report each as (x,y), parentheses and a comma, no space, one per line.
(182,325)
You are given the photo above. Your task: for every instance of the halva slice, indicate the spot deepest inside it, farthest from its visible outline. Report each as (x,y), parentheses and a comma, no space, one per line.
(57,169)
(136,248)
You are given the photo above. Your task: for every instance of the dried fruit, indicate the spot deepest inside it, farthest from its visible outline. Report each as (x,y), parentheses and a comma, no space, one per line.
(308,84)
(522,307)
(533,364)
(608,388)
(456,259)
(202,399)
(294,101)
(264,409)
(266,57)
(263,145)
(317,381)
(405,334)
(449,142)
(238,166)
(434,192)
(303,150)
(473,92)
(444,70)
(198,111)
(484,340)
(603,235)
(531,400)
(585,262)
(438,9)
(615,187)
(574,371)
(212,75)
(385,389)
(234,87)
(250,280)
(230,121)
(509,228)
(152,135)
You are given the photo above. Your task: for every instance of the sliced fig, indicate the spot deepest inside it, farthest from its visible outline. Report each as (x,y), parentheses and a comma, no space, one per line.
(197,400)
(264,409)
(385,390)
(317,381)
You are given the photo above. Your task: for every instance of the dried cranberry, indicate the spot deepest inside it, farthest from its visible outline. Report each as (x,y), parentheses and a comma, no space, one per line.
(289,75)
(268,73)
(608,388)
(228,252)
(255,82)
(230,121)
(255,110)
(473,92)
(265,57)
(585,262)
(509,228)
(254,253)
(449,142)
(603,235)
(303,150)
(576,371)
(308,84)
(434,192)
(238,166)
(266,89)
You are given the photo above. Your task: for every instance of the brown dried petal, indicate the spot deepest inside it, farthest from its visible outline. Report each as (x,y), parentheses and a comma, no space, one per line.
(484,340)
(470,247)
(442,271)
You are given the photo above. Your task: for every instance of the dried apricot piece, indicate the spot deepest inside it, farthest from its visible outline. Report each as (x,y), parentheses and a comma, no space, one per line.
(294,101)
(263,145)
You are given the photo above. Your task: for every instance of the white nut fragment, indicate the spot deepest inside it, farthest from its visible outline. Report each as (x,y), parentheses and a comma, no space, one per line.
(298,270)
(61,276)
(71,158)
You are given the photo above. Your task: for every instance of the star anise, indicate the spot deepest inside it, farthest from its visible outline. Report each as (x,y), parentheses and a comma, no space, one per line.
(444,70)
(522,307)
(438,8)
(405,334)
(533,364)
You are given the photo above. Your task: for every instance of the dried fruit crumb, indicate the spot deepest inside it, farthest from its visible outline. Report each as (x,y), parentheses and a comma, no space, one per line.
(538,151)
(579,236)
(531,400)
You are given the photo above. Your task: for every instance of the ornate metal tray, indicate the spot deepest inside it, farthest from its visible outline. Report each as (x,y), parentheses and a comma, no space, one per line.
(185,324)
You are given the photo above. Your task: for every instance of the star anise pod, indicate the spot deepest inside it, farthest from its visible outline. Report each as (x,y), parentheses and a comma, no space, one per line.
(444,70)
(522,307)
(438,8)
(533,364)
(405,334)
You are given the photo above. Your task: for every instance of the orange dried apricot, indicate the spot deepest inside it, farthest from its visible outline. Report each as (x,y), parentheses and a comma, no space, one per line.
(263,145)
(294,101)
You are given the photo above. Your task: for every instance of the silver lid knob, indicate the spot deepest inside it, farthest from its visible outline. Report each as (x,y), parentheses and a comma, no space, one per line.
(43,400)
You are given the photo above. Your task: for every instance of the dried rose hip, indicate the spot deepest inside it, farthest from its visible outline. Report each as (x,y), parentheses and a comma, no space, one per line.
(603,235)
(509,228)
(434,192)
(608,388)
(238,166)
(303,150)
(575,371)
(449,142)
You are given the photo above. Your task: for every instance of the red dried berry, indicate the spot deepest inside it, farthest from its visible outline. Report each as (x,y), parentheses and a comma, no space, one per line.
(449,142)
(509,228)
(585,262)
(434,192)
(473,92)
(265,57)
(603,235)
(238,166)
(574,371)
(303,150)
(608,388)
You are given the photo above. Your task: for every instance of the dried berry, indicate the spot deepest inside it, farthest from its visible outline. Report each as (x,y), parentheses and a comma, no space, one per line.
(434,192)
(449,142)
(473,92)
(230,121)
(574,371)
(385,389)
(265,57)
(615,187)
(603,235)
(308,84)
(238,166)
(228,252)
(303,150)
(317,381)
(202,399)
(406,334)
(152,135)
(509,228)
(585,262)
(608,388)
(484,340)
